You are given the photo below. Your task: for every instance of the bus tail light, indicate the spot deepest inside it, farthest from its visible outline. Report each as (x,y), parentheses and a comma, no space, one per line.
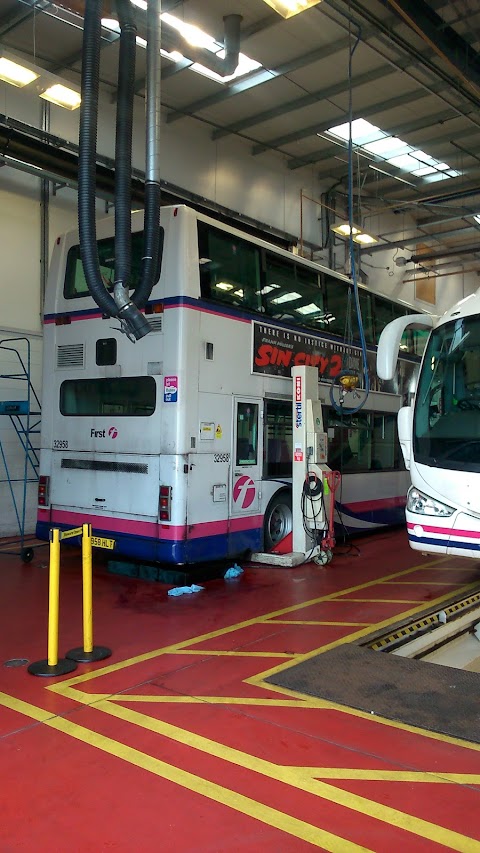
(43,490)
(165,503)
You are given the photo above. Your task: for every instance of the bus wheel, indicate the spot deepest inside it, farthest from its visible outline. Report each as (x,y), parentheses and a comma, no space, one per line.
(277,521)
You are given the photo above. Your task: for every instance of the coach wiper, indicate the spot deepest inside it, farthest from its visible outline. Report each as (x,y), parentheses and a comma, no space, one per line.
(127,308)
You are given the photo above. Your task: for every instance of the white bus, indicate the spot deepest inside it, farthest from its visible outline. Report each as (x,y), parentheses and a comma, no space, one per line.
(179,447)
(440,432)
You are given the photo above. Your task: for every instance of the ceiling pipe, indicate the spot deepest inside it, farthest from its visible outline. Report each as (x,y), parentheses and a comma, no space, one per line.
(431,256)
(172,40)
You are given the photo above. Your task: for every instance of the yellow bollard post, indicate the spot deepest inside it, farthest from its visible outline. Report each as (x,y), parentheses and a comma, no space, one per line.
(89,652)
(87,589)
(52,665)
(53,598)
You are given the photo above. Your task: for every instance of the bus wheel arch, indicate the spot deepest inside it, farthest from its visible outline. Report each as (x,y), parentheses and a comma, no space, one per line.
(277,521)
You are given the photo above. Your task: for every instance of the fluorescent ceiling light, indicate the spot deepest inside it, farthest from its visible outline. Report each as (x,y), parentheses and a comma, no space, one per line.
(16,74)
(287,297)
(62,96)
(288,8)
(365,239)
(358,234)
(268,288)
(343,229)
(223,285)
(477,218)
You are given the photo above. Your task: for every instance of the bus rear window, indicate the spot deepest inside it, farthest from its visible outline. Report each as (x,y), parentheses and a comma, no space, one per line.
(75,284)
(128,396)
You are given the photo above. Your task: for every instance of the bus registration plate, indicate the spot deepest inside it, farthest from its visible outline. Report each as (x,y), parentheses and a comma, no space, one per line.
(101,542)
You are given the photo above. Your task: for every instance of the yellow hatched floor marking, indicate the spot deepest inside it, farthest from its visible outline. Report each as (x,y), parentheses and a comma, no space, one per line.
(291,777)
(420,583)
(355,635)
(317,622)
(382,601)
(245,805)
(456,841)
(175,647)
(364,715)
(346,773)
(234,654)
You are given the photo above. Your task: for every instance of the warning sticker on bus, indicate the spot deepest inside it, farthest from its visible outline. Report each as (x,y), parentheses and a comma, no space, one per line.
(100,542)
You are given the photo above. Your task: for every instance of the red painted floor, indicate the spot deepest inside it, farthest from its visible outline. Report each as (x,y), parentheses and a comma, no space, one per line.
(176,744)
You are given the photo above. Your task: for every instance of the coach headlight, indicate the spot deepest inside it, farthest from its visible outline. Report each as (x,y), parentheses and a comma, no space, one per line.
(422,504)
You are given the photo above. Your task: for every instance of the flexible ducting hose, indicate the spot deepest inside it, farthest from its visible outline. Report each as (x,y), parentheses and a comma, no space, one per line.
(121,306)
(87,158)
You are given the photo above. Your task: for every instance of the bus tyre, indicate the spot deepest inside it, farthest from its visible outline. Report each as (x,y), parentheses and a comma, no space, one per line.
(277,521)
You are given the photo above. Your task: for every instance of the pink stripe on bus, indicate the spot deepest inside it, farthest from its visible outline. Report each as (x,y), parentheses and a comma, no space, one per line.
(152,529)
(446,531)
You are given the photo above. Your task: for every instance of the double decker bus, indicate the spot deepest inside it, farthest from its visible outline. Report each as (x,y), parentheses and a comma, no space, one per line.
(179,447)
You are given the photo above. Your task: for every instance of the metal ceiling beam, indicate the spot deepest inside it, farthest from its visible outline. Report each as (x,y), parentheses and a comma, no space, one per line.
(441,37)
(316,129)
(257,78)
(363,9)
(306,101)
(15,18)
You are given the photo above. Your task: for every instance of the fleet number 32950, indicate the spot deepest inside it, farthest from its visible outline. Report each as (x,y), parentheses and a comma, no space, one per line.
(60,444)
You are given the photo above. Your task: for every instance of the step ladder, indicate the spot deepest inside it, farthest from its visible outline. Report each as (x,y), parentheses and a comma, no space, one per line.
(25,418)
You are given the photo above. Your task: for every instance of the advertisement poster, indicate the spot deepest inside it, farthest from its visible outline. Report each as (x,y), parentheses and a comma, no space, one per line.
(277,350)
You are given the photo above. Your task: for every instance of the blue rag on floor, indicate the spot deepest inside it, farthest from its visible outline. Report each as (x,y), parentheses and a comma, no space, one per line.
(182,590)
(233,572)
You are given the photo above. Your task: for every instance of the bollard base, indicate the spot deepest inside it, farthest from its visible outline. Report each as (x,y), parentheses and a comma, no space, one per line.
(81,656)
(43,667)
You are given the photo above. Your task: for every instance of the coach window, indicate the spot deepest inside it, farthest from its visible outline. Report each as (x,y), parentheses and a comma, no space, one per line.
(247,434)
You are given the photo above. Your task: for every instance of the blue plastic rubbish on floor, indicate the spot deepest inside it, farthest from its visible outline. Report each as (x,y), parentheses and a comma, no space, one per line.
(185,590)
(233,572)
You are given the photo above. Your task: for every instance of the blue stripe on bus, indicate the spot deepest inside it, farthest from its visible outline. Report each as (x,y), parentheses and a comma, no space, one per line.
(222,310)
(445,543)
(390,516)
(176,552)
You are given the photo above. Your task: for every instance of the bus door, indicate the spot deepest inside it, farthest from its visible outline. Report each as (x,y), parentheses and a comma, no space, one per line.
(247,457)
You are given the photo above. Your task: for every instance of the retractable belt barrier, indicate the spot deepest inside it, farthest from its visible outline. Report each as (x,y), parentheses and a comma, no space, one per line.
(53,665)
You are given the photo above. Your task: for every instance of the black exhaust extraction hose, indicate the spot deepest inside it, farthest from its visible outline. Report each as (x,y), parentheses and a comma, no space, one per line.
(132,321)
(123,146)
(87,158)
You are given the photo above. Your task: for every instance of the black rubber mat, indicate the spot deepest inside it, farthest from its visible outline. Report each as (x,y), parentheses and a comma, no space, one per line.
(433,697)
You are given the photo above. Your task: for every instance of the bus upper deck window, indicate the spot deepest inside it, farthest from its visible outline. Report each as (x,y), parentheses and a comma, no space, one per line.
(106,351)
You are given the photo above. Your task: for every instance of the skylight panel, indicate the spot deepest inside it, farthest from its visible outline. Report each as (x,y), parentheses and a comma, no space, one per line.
(371,140)
(389,146)
(405,162)
(425,170)
(362,131)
